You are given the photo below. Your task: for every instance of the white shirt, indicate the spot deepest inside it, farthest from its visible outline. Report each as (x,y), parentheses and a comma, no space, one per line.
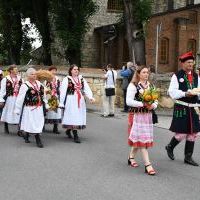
(109,79)
(173,90)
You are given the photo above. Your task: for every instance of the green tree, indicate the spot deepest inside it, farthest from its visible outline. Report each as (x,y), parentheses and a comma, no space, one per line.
(11,29)
(70,19)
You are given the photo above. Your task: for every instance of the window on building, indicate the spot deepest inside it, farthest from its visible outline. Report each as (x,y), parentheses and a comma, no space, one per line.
(191,46)
(190,2)
(170,4)
(164,51)
(115,6)
(192,17)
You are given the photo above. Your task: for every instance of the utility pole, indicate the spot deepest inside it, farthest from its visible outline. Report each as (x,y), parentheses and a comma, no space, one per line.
(158,30)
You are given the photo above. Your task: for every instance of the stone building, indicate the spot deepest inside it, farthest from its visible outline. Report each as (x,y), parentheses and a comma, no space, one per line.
(103,44)
(173,29)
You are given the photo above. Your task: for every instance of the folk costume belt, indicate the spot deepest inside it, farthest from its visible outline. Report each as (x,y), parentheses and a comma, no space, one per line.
(191,105)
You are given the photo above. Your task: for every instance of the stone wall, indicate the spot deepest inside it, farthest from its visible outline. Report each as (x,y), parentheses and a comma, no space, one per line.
(90,44)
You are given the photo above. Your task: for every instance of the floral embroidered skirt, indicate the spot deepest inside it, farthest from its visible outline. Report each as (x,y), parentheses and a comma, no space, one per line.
(140,129)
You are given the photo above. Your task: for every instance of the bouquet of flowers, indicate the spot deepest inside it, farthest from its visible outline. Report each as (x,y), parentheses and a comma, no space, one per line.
(149,95)
(53,103)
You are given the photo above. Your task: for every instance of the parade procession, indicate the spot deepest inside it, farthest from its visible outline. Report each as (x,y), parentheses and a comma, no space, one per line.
(30,104)
(99,99)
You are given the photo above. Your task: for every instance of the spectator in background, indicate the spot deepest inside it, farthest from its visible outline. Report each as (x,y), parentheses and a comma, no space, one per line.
(110,78)
(1,77)
(127,74)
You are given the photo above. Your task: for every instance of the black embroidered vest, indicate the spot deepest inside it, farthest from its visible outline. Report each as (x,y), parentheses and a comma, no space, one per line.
(184,85)
(71,88)
(34,97)
(9,87)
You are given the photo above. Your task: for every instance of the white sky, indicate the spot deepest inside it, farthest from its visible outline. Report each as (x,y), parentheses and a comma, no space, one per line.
(33,34)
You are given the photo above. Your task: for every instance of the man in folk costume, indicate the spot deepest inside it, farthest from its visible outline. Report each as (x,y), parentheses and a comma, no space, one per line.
(185,122)
(72,91)
(53,116)
(8,94)
(29,105)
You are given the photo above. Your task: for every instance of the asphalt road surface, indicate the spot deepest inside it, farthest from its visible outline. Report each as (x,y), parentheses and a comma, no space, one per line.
(96,169)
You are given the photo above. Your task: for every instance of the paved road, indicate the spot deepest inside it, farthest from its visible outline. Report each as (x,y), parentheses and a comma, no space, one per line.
(96,169)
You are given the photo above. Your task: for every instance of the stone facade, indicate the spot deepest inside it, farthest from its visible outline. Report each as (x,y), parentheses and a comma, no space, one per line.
(90,45)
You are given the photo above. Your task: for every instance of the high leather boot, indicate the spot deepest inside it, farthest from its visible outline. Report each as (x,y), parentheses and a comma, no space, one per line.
(6,130)
(68,133)
(189,148)
(38,141)
(55,129)
(26,138)
(76,138)
(170,147)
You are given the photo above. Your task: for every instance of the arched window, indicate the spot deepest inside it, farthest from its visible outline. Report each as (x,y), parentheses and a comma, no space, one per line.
(191,46)
(115,6)
(164,50)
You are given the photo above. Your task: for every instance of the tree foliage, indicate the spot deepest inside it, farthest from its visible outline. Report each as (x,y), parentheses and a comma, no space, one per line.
(70,19)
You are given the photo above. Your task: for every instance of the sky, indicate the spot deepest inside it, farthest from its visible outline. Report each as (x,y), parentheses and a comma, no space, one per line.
(33,34)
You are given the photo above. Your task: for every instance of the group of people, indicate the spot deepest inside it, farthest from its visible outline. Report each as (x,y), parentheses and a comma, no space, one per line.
(30,104)
(185,122)
(25,103)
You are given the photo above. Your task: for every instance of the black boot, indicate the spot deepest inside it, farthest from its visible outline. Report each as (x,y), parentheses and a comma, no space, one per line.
(26,138)
(76,138)
(170,147)
(189,148)
(6,130)
(55,129)
(38,141)
(68,133)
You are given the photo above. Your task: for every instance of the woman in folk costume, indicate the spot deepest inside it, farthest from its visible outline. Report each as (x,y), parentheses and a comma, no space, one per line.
(53,116)
(140,119)
(73,89)
(8,94)
(29,105)
(185,121)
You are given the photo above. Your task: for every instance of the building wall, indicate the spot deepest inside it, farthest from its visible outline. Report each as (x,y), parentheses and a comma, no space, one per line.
(177,33)
(90,45)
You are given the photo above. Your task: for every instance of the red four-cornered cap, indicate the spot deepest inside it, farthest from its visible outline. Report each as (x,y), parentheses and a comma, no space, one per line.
(186,56)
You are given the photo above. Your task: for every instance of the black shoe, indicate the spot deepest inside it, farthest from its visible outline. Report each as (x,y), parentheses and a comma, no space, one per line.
(76,137)
(170,147)
(6,130)
(190,161)
(55,129)
(189,148)
(38,141)
(170,152)
(105,116)
(26,138)
(111,115)
(20,133)
(68,133)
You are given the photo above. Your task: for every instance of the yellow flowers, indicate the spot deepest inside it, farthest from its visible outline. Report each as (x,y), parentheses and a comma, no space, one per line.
(53,103)
(149,95)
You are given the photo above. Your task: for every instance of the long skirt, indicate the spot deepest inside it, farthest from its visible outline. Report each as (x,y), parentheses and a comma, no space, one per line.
(8,114)
(53,117)
(32,119)
(141,132)
(74,116)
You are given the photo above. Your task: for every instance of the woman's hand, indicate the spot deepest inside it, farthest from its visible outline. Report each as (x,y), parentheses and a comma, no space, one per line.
(149,106)
(92,100)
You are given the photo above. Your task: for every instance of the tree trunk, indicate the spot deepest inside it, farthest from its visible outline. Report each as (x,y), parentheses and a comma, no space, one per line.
(136,46)
(41,20)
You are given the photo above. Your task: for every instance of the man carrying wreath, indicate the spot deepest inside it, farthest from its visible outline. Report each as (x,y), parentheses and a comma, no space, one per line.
(185,121)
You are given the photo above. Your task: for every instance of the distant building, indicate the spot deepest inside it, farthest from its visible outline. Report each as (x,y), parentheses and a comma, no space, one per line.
(175,27)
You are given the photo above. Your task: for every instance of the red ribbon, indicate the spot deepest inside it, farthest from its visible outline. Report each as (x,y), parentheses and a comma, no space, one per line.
(190,78)
(77,87)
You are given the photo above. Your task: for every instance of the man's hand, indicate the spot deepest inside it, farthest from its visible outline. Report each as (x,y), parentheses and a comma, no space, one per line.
(189,94)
